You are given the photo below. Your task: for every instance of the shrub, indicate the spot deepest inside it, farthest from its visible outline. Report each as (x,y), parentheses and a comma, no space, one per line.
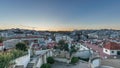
(1,39)
(74,60)
(46,65)
(21,46)
(50,60)
(5,59)
(17,53)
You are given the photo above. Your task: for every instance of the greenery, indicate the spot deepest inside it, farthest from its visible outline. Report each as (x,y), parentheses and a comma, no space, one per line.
(50,60)
(55,47)
(72,50)
(1,39)
(61,43)
(21,46)
(6,57)
(4,60)
(74,60)
(17,53)
(46,65)
(66,47)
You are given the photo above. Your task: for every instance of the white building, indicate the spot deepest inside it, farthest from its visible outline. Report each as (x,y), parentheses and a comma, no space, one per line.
(1,46)
(60,37)
(4,34)
(112,48)
(10,43)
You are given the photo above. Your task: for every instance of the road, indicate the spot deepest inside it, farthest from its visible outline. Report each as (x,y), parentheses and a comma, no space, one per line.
(65,65)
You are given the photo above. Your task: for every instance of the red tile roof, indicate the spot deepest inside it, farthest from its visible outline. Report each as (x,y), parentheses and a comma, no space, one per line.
(19,37)
(1,44)
(112,46)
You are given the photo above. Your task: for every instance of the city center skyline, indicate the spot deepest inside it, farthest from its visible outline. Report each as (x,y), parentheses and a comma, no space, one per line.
(60,15)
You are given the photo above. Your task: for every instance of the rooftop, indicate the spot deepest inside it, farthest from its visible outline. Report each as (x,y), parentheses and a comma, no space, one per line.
(112,46)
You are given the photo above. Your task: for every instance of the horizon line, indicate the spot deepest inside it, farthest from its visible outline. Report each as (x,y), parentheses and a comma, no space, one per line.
(61,30)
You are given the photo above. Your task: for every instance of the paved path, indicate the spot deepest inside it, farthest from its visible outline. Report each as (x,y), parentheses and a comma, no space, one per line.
(111,62)
(65,65)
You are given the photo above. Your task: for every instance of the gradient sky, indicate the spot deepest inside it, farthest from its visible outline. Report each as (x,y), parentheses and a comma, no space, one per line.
(60,14)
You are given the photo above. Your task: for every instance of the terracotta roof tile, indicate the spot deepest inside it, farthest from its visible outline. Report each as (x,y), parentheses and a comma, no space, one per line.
(112,46)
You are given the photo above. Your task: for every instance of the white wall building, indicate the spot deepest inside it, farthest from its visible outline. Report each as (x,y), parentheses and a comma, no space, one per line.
(10,43)
(1,46)
(4,34)
(112,48)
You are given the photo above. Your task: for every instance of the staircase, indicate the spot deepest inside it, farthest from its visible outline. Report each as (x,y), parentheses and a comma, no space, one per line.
(30,65)
(20,66)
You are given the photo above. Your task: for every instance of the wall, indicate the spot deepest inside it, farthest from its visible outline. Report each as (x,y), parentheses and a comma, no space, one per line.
(45,57)
(40,62)
(82,47)
(64,60)
(22,60)
(1,48)
(115,52)
(42,59)
(51,53)
(108,51)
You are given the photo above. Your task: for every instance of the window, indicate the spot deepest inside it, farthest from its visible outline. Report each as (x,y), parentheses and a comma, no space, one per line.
(112,51)
(118,52)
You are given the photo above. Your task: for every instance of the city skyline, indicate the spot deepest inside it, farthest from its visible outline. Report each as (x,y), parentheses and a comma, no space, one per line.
(60,15)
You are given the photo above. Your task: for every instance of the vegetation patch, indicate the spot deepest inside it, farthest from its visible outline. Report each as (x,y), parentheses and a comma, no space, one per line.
(46,65)
(74,60)
(6,57)
(21,46)
(50,60)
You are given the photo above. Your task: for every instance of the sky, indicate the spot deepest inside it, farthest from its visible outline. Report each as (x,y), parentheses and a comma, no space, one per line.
(60,15)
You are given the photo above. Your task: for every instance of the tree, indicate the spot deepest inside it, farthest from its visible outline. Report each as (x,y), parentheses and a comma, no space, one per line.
(56,47)
(61,43)
(72,50)
(45,66)
(66,47)
(50,60)
(21,46)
